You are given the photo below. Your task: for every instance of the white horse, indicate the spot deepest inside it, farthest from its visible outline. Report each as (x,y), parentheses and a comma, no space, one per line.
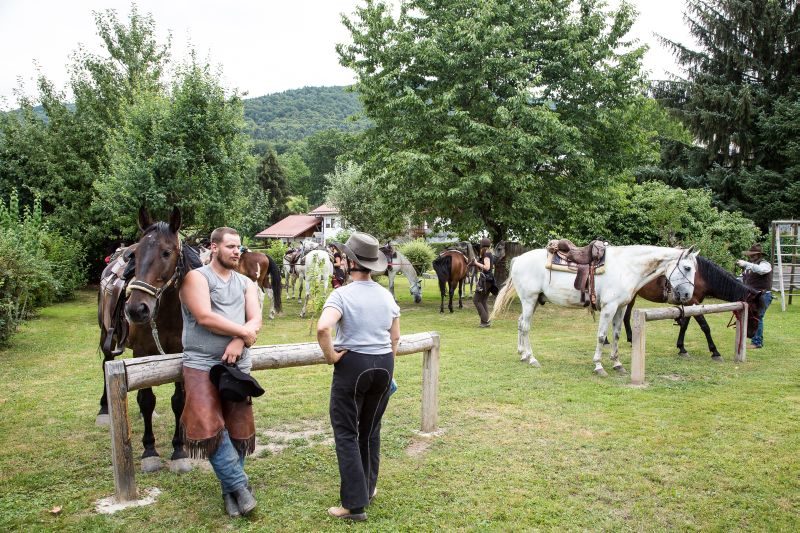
(627,269)
(322,260)
(402,263)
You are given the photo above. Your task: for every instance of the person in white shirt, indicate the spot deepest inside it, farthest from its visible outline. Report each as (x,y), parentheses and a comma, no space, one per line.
(758,275)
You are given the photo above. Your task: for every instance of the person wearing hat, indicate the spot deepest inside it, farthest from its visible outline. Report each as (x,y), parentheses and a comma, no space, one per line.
(221,318)
(758,275)
(486,282)
(338,267)
(367,322)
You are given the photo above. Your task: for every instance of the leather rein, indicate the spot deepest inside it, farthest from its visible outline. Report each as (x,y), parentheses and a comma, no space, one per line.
(157,292)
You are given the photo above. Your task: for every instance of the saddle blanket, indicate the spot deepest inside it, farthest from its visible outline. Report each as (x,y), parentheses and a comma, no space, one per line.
(559,263)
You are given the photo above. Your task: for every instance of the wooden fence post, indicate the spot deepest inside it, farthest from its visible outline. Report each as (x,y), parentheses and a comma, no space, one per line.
(740,350)
(430,387)
(121,450)
(638,345)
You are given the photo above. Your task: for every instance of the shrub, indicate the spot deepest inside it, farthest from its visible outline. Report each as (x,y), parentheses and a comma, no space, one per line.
(276,249)
(37,266)
(419,253)
(342,236)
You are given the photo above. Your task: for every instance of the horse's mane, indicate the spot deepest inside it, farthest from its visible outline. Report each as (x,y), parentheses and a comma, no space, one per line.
(721,283)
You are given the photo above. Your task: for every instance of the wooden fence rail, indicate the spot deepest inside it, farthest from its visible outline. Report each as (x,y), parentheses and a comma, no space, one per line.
(642,316)
(126,375)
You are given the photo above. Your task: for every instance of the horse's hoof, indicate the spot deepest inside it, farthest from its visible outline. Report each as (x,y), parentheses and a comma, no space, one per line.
(151,464)
(683,354)
(716,358)
(103,420)
(620,369)
(534,363)
(601,372)
(180,466)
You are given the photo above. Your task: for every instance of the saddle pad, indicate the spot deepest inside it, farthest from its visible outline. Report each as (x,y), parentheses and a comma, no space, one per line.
(559,264)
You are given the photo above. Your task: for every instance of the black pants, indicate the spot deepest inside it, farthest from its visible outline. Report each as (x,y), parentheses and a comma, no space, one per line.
(481,296)
(359,394)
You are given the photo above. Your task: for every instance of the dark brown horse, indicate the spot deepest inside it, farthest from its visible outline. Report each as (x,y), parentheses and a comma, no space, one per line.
(710,280)
(265,273)
(451,269)
(153,312)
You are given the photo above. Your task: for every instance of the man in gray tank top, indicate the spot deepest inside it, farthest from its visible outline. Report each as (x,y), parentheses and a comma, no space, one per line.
(221,318)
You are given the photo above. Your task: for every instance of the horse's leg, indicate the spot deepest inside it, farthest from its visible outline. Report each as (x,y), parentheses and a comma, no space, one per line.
(180,460)
(460,293)
(606,316)
(524,330)
(103,418)
(627,320)
(451,288)
(391,274)
(271,303)
(715,355)
(616,328)
(441,291)
(151,461)
(684,324)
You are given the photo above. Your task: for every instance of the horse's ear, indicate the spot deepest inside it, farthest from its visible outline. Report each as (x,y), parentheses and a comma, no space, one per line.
(175,220)
(144,218)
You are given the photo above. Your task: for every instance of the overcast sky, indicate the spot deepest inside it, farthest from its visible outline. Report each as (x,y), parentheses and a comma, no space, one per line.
(262,46)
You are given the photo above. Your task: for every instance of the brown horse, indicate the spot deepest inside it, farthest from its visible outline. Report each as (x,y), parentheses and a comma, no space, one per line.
(710,280)
(153,313)
(265,273)
(451,268)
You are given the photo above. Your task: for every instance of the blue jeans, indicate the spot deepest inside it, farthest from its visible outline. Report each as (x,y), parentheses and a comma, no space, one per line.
(228,464)
(758,338)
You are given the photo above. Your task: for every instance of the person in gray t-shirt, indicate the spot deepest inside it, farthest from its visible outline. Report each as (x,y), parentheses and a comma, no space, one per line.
(221,318)
(367,322)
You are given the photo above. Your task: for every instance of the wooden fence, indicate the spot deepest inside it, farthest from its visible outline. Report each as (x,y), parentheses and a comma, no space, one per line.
(642,316)
(126,375)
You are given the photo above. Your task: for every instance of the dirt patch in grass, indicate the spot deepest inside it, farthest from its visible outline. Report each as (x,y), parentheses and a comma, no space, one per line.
(418,447)
(302,434)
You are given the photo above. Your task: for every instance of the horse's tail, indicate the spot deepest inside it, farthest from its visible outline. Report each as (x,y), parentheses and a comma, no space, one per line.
(442,265)
(275,279)
(504,298)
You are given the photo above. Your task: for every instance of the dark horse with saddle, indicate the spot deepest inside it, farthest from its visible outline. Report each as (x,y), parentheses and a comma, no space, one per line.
(139,308)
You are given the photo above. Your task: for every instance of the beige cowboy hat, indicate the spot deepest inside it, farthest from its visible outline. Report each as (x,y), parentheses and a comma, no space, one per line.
(363,249)
(754,250)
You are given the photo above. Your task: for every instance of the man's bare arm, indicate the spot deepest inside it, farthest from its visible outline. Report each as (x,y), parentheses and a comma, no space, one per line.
(196,297)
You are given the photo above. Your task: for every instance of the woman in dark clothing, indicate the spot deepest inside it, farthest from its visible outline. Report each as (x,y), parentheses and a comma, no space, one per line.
(486,283)
(338,267)
(367,322)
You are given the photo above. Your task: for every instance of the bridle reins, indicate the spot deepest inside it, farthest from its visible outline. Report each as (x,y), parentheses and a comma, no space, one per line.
(157,292)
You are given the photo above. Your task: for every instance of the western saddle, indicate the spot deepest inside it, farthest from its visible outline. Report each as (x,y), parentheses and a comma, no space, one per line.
(111,311)
(585,260)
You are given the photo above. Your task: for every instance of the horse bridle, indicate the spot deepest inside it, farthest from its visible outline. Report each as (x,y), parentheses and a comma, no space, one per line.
(157,292)
(668,284)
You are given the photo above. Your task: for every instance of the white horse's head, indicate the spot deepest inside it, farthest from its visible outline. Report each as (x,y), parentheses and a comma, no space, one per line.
(680,274)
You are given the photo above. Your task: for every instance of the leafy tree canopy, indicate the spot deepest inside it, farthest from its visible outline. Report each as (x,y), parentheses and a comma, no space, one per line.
(497,114)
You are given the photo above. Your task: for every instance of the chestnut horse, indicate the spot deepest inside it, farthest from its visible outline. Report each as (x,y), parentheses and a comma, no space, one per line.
(451,268)
(257,266)
(153,312)
(710,280)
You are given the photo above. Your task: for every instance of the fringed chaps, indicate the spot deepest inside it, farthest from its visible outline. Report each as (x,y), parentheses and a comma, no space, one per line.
(205,415)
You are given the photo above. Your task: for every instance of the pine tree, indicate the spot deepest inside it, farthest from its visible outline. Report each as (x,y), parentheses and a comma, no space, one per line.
(740,101)
(272,179)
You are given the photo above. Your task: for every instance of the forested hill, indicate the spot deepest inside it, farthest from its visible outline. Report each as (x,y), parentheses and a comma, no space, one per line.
(296,114)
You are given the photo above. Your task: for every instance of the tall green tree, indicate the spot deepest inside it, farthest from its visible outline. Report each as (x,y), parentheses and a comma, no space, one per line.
(497,114)
(185,148)
(59,156)
(272,179)
(321,153)
(740,100)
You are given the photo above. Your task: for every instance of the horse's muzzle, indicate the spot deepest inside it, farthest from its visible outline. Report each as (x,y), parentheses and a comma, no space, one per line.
(137,312)
(683,293)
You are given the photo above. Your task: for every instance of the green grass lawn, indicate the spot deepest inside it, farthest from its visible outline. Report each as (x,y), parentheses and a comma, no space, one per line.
(704,447)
